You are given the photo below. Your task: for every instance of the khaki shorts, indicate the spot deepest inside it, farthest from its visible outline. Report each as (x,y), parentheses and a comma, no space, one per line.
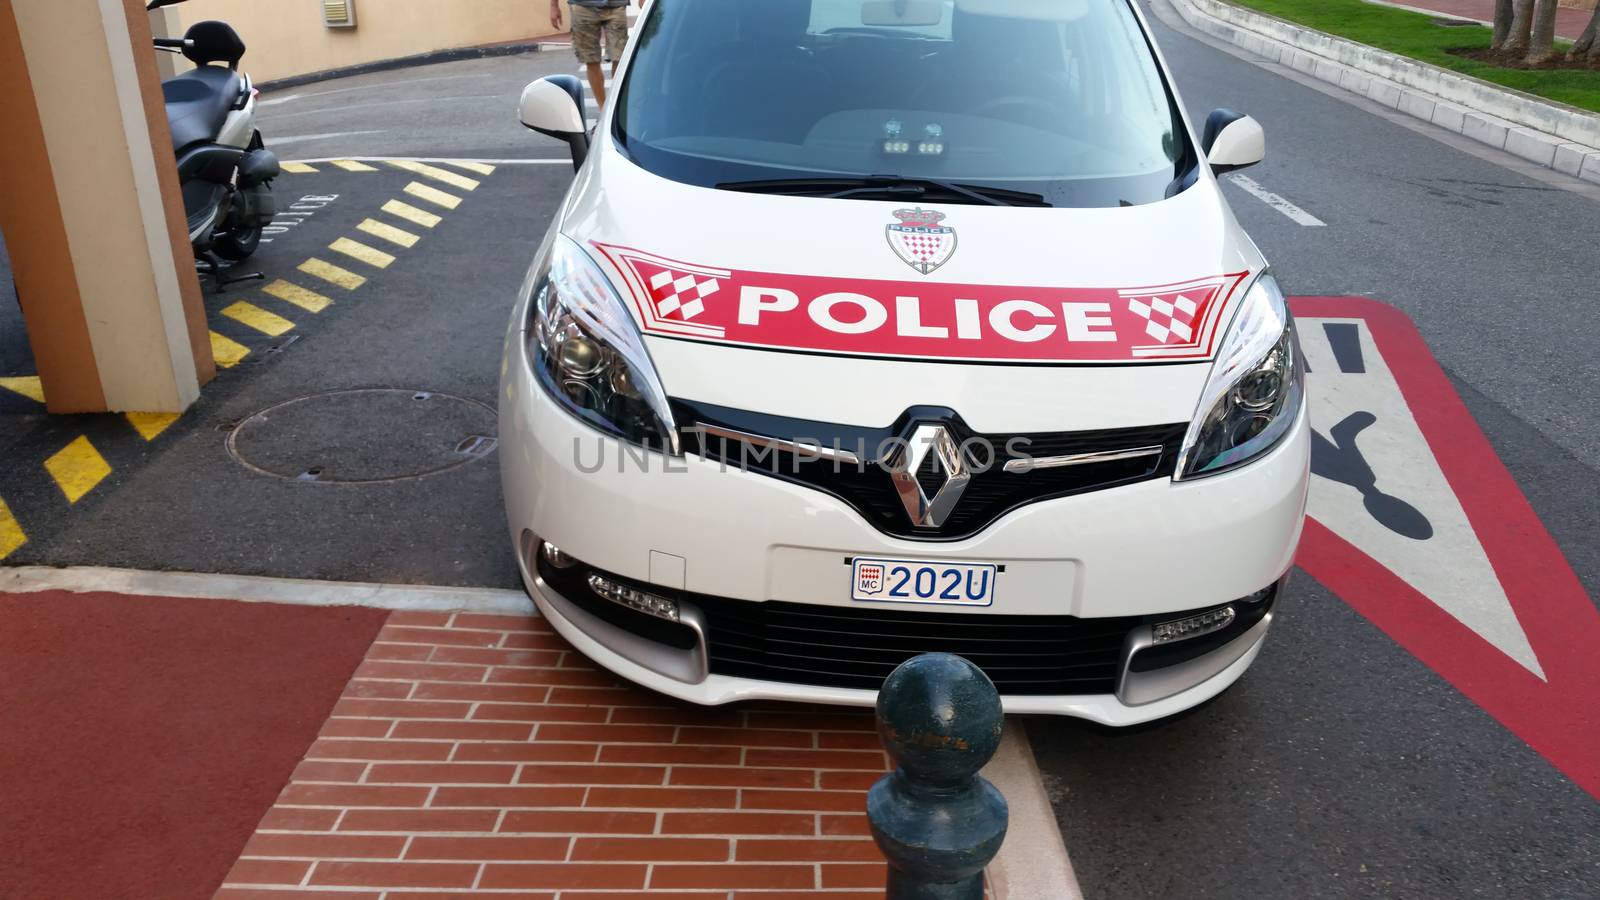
(588,22)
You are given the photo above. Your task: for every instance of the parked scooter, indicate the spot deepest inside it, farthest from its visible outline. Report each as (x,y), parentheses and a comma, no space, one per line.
(224,167)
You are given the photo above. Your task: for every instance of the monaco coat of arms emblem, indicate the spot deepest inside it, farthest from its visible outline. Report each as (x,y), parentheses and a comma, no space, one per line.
(920,240)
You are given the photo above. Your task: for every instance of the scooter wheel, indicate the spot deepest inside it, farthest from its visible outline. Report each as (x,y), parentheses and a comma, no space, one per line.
(237,246)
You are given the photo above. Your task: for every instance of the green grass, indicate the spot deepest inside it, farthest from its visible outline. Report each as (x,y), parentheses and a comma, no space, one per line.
(1415,35)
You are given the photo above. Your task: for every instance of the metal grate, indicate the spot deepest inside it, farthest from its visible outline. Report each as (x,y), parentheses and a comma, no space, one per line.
(857,647)
(339,13)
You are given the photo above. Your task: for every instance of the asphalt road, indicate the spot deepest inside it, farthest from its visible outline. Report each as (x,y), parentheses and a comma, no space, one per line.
(1340,766)
(466,108)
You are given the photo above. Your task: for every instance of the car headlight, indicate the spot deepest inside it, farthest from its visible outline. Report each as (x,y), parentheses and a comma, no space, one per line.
(1255,391)
(588,354)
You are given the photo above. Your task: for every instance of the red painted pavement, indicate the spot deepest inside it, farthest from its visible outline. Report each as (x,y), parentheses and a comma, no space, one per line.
(142,739)
(1569,22)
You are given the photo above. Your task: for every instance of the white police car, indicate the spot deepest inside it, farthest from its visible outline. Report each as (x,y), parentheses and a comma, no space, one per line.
(876,328)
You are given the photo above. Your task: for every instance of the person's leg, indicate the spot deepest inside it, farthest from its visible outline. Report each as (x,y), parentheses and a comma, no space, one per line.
(587,24)
(616,35)
(597,82)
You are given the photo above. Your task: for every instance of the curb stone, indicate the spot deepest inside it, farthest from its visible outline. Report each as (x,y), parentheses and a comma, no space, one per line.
(1549,135)
(434,57)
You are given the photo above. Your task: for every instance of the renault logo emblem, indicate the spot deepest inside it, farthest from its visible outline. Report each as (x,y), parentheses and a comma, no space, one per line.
(950,470)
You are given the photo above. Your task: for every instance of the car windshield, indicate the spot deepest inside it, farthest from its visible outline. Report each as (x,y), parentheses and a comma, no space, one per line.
(1058,99)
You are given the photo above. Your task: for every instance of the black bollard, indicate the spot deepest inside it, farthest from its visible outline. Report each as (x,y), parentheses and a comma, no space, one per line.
(935,819)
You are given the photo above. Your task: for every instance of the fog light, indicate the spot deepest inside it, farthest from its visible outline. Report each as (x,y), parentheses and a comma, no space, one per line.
(1193,626)
(622,595)
(555,557)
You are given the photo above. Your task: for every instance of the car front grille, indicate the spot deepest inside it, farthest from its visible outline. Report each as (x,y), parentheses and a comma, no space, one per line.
(850,647)
(858,646)
(869,489)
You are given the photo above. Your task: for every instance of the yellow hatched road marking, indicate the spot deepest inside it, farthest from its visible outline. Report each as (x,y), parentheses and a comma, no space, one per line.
(226,351)
(455,180)
(480,168)
(350,165)
(298,168)
(150,425)
(433,195)
(11,534)
(372,256)
(27,385)
(258,318)
(411,214)
(308,300)
(389,233)
(333,274)
(77,468)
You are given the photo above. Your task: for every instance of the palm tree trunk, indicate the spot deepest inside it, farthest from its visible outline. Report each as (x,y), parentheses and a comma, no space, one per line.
(1542,41)
(1521,27)
(1588,44)
(1504,11)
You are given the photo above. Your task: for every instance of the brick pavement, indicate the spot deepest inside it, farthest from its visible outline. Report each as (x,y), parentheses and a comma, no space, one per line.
(480,756)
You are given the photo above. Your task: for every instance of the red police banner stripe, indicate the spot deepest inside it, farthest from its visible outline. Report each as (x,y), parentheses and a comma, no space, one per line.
(924,319)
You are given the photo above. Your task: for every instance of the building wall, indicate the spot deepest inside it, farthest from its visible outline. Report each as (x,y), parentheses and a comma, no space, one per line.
(287,37)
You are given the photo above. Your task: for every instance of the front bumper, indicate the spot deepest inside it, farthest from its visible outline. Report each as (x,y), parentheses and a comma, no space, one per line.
(685,673)
(689,525)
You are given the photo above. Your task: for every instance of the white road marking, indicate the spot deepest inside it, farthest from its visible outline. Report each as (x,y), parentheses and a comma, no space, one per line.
(1449,565)
(256,589)
(1254,188)
(302,138)
(274,101)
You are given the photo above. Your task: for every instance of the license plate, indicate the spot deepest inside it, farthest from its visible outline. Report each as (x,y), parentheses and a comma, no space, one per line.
(923,581)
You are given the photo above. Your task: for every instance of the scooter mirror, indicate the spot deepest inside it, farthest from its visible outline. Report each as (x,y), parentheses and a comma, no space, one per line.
(157,4)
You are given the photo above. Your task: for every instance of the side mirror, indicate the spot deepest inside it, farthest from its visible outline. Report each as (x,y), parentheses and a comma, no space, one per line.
(553,106)
(1232,140)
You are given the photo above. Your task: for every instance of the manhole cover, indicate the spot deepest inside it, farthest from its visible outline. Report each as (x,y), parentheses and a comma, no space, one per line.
(364,436)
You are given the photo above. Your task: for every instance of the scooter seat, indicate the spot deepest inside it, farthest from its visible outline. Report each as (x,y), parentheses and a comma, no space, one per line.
(198,102)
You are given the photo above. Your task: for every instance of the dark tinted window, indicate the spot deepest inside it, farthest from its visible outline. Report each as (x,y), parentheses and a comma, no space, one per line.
(1057,97)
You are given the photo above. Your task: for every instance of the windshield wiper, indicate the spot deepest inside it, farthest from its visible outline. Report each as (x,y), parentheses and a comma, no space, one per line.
(889,186)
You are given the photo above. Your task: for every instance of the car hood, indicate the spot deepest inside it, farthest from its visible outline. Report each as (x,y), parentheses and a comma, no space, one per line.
(848,311)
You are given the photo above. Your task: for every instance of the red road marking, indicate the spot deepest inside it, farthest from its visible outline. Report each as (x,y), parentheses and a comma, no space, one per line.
(1559,718)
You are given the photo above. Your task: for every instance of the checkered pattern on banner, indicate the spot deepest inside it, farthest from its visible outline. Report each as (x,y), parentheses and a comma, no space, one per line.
(679,295)
(1167,321)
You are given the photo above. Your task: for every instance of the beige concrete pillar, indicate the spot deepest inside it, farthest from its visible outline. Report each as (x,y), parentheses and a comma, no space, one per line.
(91,213)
